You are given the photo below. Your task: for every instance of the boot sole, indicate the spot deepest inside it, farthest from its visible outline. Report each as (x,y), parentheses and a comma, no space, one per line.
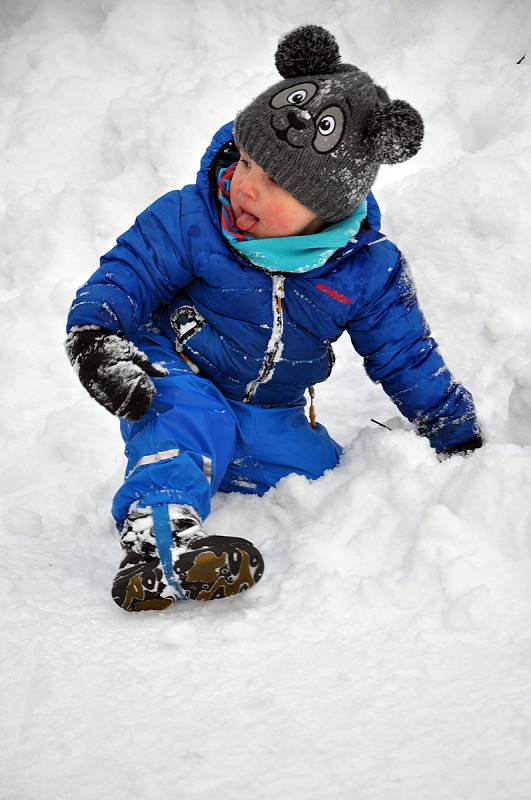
(217,569)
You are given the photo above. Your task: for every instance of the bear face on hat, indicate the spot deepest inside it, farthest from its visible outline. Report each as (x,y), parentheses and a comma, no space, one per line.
(323,131)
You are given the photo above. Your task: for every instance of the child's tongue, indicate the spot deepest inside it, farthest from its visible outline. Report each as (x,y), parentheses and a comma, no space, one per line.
(245,221)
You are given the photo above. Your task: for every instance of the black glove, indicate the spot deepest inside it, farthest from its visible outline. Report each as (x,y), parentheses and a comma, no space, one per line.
(466,447)
(113,371)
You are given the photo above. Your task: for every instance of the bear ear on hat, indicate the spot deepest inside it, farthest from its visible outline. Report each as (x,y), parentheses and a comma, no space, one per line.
(308,50)
(394,132)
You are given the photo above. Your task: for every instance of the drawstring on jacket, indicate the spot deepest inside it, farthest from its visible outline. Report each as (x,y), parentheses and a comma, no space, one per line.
(313,418)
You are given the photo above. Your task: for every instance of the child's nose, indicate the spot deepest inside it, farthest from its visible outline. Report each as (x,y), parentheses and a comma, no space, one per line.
(250,185)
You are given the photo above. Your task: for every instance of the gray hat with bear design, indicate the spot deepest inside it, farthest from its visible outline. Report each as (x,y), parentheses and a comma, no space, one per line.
(323,131)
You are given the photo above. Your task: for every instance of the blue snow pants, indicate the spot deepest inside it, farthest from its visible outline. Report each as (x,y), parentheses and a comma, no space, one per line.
(193,441)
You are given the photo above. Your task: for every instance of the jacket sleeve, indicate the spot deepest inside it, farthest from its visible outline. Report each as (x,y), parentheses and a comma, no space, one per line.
(145,268)
(391,333)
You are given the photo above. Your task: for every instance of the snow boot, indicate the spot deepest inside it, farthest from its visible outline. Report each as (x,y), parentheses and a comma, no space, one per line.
(169,557)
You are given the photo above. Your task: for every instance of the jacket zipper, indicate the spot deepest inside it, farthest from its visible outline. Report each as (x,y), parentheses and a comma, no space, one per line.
(275,344)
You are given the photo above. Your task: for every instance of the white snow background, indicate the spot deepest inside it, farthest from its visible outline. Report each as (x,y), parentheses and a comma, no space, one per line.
(386,653)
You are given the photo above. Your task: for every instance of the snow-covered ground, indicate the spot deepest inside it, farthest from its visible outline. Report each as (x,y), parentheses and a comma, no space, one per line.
(386,653)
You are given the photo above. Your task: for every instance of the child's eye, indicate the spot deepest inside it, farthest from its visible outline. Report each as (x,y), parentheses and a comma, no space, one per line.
(245,163)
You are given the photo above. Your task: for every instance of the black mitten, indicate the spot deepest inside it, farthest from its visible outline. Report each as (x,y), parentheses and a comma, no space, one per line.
(113,371)
(466,447)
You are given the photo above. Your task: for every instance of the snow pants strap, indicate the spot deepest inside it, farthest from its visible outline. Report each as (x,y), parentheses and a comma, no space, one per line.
(164,540)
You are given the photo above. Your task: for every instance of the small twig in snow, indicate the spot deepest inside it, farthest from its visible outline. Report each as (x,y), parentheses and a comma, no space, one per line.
(380,424)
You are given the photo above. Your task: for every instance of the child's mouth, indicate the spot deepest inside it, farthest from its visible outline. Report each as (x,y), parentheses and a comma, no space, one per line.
(245,221)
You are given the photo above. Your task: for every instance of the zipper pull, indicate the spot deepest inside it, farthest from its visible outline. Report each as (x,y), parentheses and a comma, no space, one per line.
(313,418)
(280,295)
(193,367)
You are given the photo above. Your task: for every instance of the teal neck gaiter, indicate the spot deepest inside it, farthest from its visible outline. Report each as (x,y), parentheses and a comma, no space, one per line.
(294,253)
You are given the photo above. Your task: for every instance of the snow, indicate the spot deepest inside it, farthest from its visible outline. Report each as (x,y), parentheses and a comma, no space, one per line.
(386,652)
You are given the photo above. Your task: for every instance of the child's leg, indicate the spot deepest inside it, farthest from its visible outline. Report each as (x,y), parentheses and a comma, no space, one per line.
(179,451)
(274,442)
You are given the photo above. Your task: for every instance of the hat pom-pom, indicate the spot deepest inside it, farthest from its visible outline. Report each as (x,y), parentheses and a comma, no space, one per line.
(308,50)
(394,132)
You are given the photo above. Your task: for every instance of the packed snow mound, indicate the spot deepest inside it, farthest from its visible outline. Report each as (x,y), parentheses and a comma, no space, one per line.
(385,653)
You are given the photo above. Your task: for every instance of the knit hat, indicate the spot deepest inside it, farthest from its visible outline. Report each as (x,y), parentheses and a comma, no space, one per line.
(323,131)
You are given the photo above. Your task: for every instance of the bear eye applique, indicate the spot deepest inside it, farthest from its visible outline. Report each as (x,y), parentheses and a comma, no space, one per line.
(329,125)
(294,95)
(298,97)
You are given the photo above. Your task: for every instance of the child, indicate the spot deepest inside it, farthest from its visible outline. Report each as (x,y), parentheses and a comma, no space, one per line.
(210,318)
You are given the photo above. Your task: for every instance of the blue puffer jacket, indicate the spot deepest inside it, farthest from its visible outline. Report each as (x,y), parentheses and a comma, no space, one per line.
(264,337)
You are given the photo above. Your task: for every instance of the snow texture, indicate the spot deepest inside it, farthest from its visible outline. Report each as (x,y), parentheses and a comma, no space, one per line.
(386,652)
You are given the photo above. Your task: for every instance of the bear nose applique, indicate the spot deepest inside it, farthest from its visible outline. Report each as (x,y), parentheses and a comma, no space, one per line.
(295,121)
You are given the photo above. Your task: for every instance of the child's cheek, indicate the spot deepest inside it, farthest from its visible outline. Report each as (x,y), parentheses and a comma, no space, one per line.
(279,219)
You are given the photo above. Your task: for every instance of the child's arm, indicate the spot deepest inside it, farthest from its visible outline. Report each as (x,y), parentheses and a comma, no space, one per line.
(392,335)
(145,268)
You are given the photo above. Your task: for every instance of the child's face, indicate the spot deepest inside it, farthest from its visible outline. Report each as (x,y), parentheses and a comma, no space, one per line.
(262,209)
